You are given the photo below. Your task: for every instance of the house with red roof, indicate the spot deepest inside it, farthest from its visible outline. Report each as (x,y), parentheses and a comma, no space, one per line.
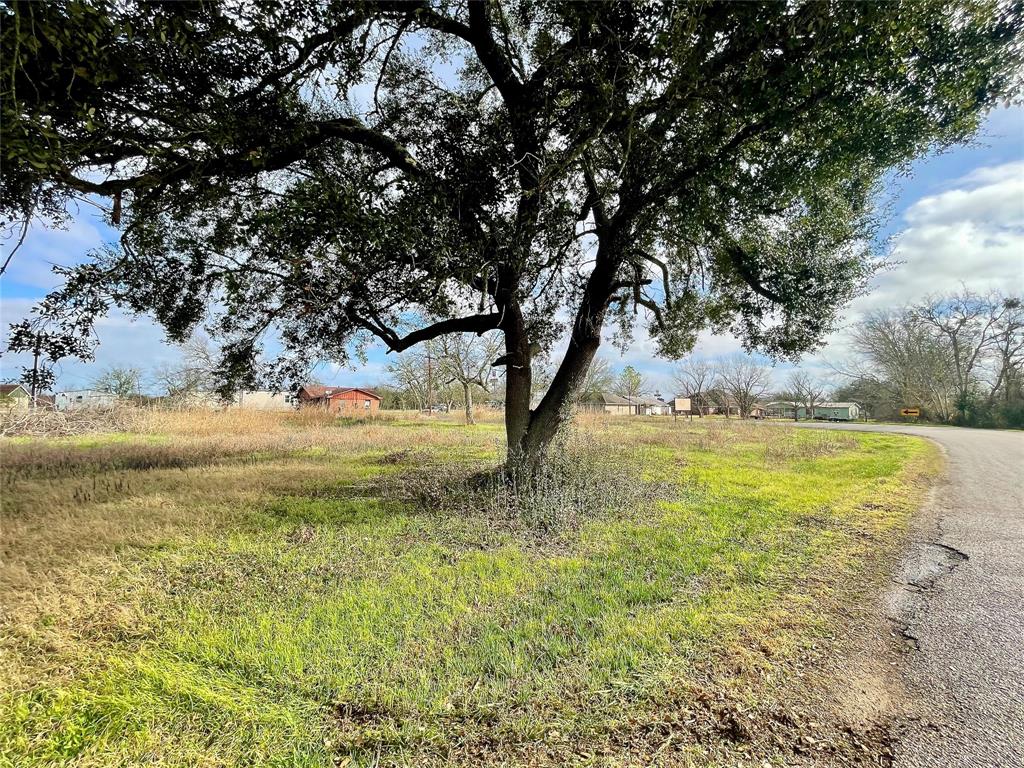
(344,401)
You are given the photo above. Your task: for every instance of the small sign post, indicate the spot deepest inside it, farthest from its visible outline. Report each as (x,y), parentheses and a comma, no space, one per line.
(907,412)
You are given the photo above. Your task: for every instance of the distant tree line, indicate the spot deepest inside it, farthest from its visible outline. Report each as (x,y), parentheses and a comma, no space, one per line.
(958,357)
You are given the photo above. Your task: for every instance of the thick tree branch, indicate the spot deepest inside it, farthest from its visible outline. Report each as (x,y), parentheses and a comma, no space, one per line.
(256,159)
(593,200)
(665,282)
(478,324)
(745,266)
(492,57)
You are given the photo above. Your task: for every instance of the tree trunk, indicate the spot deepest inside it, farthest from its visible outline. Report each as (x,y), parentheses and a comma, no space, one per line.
(529,451)
(518,379)
(468,391)
(530,433)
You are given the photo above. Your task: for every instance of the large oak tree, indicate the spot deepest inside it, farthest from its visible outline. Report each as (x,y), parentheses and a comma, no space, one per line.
(322,172)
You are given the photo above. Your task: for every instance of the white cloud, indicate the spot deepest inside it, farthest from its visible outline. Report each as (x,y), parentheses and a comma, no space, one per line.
(970,235)
(991,197)
(991,174)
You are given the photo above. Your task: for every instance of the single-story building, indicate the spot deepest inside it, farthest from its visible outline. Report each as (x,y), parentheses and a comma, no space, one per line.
(832,411)
(263,400)
(78,399)
(606,402)
(617,405)
(652,406)
(787,409)
(345,401)
(14,397)
(780,409)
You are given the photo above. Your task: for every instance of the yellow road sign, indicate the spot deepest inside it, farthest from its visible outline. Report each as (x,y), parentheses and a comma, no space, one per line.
(910,411)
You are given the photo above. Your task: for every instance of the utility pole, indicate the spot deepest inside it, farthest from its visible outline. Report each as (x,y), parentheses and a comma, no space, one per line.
(34,393)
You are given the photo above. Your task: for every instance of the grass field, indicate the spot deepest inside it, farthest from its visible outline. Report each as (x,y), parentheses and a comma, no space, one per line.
(248,589)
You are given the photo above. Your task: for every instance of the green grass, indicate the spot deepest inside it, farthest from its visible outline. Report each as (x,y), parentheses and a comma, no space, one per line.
(326,624)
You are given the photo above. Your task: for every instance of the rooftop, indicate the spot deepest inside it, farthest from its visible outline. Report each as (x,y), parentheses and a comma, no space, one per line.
(317,391)
(609,398)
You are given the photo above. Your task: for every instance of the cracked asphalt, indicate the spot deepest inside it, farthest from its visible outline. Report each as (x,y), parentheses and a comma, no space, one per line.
(961,604)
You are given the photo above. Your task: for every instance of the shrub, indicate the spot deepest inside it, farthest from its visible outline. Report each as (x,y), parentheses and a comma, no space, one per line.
(584,478)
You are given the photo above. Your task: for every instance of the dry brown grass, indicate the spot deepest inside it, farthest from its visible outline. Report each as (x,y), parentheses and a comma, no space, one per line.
(79,500)
(776,441)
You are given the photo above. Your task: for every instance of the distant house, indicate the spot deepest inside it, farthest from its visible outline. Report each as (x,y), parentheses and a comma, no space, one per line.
(605,402)
(14,397)
(78,399)
(264,400)
(787,409)
(833,411)
(653,406)
(345,401)
(617,405)
(781,409)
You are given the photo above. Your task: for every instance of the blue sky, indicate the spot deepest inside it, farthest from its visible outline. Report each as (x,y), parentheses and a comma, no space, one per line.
(958,218)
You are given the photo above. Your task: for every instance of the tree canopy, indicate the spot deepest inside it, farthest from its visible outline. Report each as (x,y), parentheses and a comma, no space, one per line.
(319,172)
(630,383)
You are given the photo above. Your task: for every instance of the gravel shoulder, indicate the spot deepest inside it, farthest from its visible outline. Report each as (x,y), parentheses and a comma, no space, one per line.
(958,599)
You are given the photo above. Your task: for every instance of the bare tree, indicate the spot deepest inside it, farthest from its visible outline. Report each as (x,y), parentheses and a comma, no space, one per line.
(744,380)
(696,379)
(195,374)
(806,391)
(408,372)
(467,359)
(899,354)
(1008,351)
(122,382)
(599,379)
(959,356)
(418,376)
(967,322)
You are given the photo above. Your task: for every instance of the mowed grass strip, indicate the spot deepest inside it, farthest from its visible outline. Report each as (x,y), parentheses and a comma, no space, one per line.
(310,621)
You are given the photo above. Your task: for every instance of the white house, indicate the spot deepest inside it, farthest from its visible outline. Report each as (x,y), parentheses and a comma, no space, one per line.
(834,411)
(77,399)
(639,405)
(264,400)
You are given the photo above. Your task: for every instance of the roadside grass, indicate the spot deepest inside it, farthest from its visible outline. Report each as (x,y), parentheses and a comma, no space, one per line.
(263,593)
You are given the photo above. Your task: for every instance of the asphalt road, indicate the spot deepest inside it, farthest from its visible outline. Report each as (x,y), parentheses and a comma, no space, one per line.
(960,602)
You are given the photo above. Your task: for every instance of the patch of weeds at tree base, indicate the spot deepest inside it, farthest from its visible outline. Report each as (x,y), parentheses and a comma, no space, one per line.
(337,616)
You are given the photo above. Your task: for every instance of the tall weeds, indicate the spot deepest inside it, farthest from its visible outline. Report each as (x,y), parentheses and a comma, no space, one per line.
(586,476)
